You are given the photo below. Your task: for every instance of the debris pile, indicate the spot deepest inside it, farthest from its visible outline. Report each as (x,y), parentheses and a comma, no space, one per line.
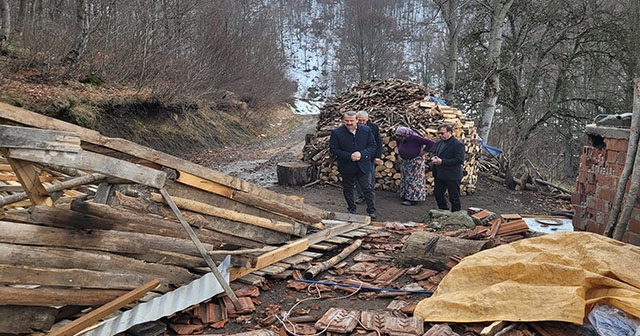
(391,103)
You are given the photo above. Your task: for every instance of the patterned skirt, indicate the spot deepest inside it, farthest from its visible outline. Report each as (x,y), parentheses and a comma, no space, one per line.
(412,187)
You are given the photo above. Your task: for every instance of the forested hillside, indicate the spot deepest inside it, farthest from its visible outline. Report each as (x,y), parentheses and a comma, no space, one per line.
(531,74)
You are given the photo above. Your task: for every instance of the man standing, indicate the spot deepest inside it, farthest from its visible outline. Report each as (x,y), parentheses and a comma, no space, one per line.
(354,147)
(446,164)
(363,119)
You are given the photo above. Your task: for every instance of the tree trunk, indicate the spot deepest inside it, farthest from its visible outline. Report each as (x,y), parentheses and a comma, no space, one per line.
(82,33)
(452,12)
(492,81)
(295,173)
(434,251)
(5,22)
(631,196)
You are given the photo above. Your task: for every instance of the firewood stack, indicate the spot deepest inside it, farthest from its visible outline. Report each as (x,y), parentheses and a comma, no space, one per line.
(391,103)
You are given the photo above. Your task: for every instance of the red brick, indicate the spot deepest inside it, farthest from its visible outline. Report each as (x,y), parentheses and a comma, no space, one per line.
(592,226)
(608,180)
(577,198)
(612,156)
(606,193)
(632,238)
(634,226)
(620,145)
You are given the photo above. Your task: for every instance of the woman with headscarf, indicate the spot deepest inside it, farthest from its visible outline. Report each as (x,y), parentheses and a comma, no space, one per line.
(410,147)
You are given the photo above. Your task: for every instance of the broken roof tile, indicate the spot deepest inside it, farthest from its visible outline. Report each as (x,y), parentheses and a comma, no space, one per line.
(338,320)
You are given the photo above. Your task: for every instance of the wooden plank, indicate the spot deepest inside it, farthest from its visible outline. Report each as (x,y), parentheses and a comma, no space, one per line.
(288,228)
(294,248)
(59,277)
(52,257)
(33,138)
(339,240)
(323,247)
(11,177)
(94,162)
(94,316)
(272,204)
(103,240)
(186,191)
(126,220)
(270,257)
(46,296)
(297,259)
(55,187)
(355,234)
(273,269)
(252,279)
(311,254)
(28,177)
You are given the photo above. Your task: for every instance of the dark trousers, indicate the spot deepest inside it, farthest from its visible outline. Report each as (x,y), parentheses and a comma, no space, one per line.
(349,181)
(372,180)
(453,188)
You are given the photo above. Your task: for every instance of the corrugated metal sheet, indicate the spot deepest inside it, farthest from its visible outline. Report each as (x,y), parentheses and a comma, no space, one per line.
(197,291)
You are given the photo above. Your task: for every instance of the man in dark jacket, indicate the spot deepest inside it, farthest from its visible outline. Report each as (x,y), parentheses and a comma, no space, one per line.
(363,119)
(354,147)
(446,165)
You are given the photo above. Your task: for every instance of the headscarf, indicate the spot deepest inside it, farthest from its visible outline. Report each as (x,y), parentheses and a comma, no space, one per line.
(405,131)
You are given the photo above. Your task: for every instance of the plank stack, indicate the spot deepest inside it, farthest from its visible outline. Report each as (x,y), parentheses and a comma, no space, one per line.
(391,103)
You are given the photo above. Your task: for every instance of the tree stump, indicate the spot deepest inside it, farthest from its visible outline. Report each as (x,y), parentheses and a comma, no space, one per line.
(295,173)
(434,251)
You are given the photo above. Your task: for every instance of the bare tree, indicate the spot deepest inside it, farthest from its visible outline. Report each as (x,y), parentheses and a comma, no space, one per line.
(369,42)
(5,23)
(453,13)
(82,32)
(498,10)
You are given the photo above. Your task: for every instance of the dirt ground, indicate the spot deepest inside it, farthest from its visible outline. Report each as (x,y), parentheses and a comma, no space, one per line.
(256,162)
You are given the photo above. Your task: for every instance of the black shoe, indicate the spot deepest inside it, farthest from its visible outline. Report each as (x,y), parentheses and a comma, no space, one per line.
(360,200)
(373,215)
(408,203)
(352,211)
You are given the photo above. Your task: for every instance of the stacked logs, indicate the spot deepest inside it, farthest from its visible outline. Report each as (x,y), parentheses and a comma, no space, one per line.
(391,103)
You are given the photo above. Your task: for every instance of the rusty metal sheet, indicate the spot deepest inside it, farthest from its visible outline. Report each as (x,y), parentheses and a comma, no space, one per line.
(338,320)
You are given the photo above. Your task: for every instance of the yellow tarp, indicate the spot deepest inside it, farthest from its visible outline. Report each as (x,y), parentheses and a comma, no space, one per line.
(556,277)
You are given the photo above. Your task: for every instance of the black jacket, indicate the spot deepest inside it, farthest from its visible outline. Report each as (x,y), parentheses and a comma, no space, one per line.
(451,152)
(342,143)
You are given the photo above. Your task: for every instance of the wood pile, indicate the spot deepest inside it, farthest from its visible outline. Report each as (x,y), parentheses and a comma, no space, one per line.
(391,103)
(88,219)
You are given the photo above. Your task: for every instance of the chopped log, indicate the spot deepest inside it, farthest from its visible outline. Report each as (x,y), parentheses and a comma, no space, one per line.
(295,173)
(314,270)
(434,250)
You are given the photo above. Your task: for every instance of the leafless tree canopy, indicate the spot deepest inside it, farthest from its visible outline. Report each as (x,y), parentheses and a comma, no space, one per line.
(558,66)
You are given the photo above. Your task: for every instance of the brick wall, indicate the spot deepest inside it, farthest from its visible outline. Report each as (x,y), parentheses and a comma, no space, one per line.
(601,165)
